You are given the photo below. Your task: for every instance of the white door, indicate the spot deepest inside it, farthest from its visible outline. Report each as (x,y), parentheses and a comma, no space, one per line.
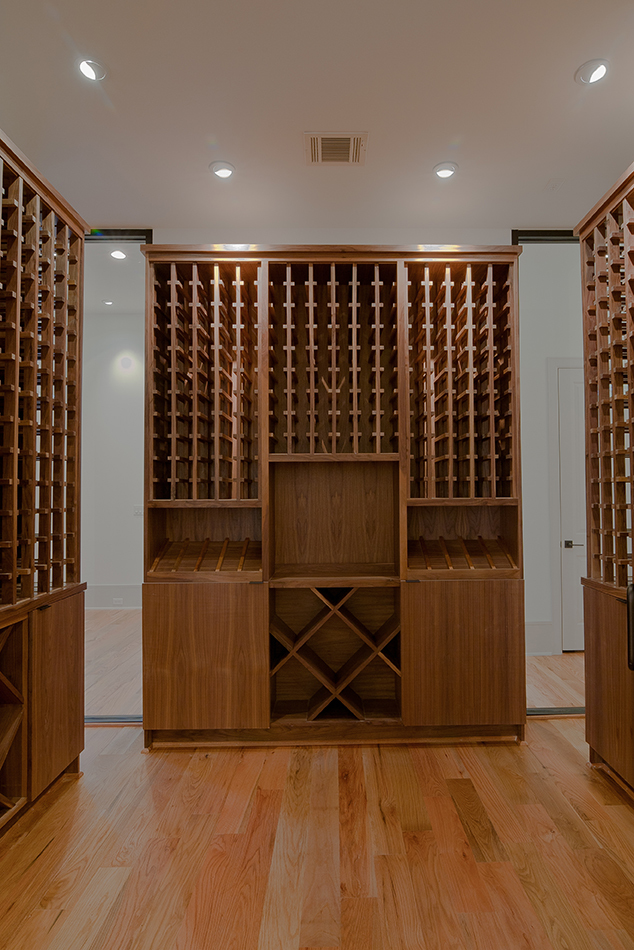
(572,493)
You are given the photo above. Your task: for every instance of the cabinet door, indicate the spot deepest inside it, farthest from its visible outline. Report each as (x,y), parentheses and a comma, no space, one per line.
(205,656)
(56,708)
(609,682)
(463,653)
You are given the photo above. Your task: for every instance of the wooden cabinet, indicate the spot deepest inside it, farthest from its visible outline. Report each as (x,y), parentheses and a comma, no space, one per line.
(607,267)
(41,265)
(334,426)
(609,682)
(56,707)
(205,655)
(463,659)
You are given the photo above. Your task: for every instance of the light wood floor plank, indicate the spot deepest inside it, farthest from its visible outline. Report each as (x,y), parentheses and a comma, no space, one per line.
(355,857)
(321,911)
(226,905)
(385,827)
(400,920)
(281,916)
(482,836)
(438,917)
(80,929)
(361,924)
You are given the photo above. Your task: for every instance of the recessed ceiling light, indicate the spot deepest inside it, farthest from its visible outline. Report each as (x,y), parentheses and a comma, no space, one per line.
(118,255)
(92,70)
(236,247)
(446,169)
(591,72)
(108,303)
(222,169)
(126,362)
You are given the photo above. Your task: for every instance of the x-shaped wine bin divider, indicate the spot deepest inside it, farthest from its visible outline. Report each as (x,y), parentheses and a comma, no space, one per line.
(335,684)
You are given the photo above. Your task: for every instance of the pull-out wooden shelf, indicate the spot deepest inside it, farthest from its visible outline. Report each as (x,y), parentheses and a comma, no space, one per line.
(460,558)
(207,560)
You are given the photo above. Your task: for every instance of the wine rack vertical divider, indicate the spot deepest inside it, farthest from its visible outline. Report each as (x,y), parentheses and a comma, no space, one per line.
(41,267)
(362,481)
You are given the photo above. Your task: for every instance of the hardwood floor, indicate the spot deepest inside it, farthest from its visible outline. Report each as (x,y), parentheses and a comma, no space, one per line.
(469,847)
(113,662)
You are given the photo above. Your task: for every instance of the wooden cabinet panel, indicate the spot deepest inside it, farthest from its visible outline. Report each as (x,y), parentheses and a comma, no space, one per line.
(205,656)
(463,653)
(56,714)
(609,682)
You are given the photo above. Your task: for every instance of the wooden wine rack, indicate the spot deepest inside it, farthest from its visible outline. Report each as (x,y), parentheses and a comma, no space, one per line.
(41,262)
(39,339)
(330,424)
(462,381)
(607,267)
(608,297)
(204,382)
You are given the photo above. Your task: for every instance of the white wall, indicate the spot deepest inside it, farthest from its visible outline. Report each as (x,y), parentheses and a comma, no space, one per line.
(112,451)
(550,328)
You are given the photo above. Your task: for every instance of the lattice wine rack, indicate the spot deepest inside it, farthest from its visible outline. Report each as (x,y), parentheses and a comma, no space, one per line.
(462,380)
(204,382)
(333,356)
(40,314)
(608,298)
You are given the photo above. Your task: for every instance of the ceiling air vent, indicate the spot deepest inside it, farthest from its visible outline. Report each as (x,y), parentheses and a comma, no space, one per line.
(335,148)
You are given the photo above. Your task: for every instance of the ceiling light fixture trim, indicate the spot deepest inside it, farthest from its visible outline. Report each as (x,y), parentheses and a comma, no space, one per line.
(222,169)
(446,169)
(92,70)
(118,255)
(591,72)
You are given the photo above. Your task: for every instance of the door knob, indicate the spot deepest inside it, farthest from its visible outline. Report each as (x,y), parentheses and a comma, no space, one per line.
(571,544)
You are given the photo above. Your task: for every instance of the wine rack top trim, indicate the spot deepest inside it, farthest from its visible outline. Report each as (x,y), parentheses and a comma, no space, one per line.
(9,152)
(620,190)
(421,253)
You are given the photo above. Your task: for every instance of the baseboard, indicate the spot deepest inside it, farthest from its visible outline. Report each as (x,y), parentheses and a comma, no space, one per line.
(542,639)
(113,596)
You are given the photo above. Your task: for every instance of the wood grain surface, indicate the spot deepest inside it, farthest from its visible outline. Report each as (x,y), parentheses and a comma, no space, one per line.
(610,683)
(463,655)
(57,689)
(463,847)
(205,656)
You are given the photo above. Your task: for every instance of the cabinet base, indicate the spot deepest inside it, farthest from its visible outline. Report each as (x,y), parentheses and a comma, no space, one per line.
(330,733)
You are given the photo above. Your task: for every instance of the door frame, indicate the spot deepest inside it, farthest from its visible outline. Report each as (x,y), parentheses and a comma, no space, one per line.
(553,365)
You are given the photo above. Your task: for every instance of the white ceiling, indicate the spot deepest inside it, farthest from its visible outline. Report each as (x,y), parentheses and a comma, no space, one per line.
(484,83)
